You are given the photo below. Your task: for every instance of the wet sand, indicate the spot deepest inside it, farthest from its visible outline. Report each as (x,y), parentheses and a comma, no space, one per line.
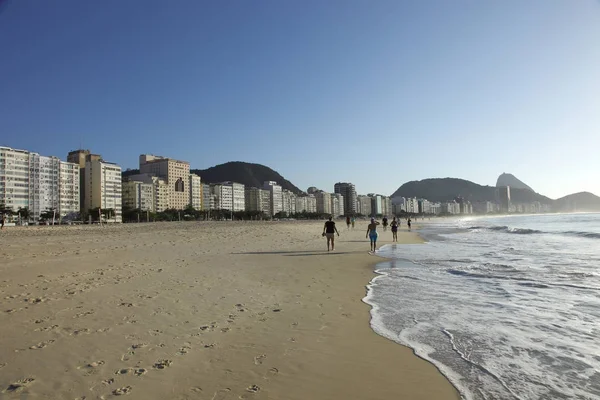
(197,311)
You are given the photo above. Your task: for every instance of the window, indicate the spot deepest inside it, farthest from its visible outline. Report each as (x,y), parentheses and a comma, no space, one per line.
(179,187)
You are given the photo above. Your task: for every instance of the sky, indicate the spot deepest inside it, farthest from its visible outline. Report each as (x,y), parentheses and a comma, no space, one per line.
(376,93)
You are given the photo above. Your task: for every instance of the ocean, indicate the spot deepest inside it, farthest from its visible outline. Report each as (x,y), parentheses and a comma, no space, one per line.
(505,307)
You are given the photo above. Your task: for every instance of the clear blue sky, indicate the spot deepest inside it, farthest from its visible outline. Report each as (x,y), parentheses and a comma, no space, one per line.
(373,92)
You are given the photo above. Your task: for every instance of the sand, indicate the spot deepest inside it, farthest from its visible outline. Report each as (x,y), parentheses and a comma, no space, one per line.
(209,310)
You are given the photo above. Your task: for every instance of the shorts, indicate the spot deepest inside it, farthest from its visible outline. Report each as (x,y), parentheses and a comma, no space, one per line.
(373,236)
(330,235)
(394,229)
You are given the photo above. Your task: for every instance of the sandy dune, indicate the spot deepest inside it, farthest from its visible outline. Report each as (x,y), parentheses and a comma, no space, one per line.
(196,311)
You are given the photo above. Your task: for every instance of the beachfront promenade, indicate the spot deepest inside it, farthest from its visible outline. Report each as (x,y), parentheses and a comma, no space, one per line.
(197,311)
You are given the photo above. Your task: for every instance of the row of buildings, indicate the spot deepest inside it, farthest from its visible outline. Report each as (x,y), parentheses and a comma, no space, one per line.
(86,184)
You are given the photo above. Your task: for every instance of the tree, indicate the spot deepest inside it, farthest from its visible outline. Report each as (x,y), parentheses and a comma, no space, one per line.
(48,214)
(24,214)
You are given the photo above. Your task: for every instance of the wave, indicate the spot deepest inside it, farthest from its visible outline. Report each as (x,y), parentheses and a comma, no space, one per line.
(525,231)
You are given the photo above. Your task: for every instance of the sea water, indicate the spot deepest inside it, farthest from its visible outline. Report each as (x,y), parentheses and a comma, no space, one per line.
(505,307)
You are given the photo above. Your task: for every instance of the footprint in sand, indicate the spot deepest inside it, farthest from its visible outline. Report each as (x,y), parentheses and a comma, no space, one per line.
(259,359)
(122,391)
(19,385)
(162,364)
(41,345)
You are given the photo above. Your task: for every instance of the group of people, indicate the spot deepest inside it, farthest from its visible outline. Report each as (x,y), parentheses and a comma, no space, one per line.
(330,230)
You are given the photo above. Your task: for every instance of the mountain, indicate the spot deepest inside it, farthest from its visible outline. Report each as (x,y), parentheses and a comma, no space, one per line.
(446,189)
(582,201)
(512,181)
(246,173)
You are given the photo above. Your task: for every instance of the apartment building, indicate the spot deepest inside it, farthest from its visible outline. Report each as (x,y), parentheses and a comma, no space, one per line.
(138,195)
(223,196)
(104,187)
(160,199)
(337,204)
(276,196)
(288,200)
(79,157)
(348,190)
(195,189)
(238,195)
(208,198)
(364,205)
(323,200)
(38,183)
(258,200)
(386,206)
(174,172)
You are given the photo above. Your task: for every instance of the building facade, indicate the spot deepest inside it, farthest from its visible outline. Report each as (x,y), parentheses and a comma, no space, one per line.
(223,196)
(38,183)
(323,200)
(208,198)
(276,196)
(348,190)
(195,189)
(238,194)
(160,190)
(174,172)
(258,200)
(288,200)
(138,195)
(104,188)
(364,205)
(337,204)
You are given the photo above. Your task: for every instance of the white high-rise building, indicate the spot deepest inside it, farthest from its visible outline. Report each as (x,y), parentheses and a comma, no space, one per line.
(364,205)
(104,188)
(223,196)
(195,188)
(323,202)
(38,183)
(276,196)
(238,196)
(337,204)
(288,202)
(138,195)
(208,198)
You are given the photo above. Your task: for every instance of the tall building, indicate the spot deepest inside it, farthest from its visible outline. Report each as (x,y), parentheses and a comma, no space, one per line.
(364,205)
(174,172)
(238,196)
(195,189)
(38,183)
(376,205)
(349,192)
(323,202)
(337,204)
(79,157)
(161,197)
(288,202)
(258,200)
(104,188)
(223,196)
(208,198)
(276,196)
(138,195)
(386,206)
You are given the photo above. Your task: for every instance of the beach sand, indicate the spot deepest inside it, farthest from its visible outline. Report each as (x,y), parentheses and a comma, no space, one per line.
(208,310)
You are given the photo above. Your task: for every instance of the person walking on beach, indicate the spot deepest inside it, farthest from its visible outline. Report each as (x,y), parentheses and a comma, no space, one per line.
(372,234)
(385,223)
(394,226)
(1,221)
(348,222)
(408,223)
(353,221)
(329,230)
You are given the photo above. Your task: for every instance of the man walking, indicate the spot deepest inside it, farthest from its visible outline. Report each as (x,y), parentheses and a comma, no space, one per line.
(329,230)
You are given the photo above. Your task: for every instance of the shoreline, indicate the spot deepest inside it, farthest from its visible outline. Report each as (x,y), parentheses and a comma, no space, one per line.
(254,311)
